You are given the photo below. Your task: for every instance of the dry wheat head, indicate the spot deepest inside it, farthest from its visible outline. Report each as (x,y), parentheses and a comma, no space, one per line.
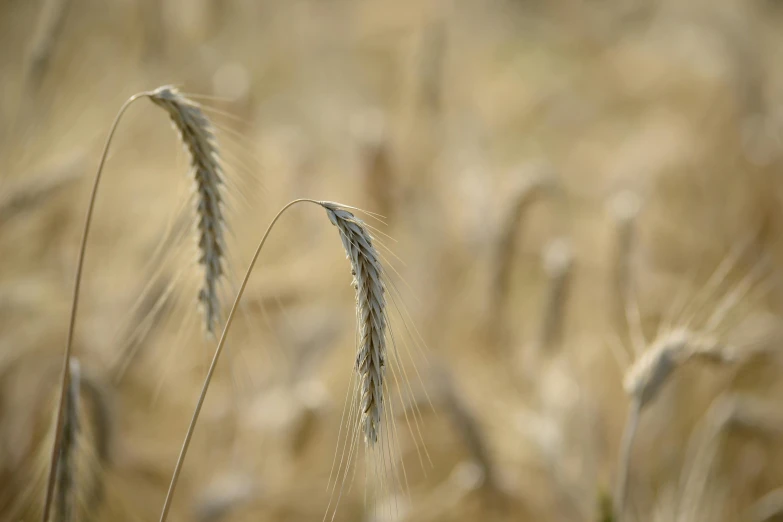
(371,314)
(198,137)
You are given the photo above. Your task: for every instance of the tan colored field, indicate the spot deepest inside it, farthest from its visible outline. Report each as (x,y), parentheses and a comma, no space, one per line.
(583,219)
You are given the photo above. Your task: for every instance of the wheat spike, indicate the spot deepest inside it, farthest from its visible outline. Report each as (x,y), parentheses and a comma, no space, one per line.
(644,380)
(529,189)
(646,377)
(371,313)
(64,507)
(557,259)
(198,136)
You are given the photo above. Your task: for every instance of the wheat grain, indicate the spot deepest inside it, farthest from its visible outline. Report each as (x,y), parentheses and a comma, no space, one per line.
(198,137)
(371,313)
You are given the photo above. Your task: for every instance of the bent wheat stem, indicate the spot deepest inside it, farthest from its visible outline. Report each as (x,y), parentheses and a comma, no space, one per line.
(218,350)
(65,378)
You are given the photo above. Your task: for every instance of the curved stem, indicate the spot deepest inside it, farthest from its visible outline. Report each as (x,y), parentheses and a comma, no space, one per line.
(629,433)
(186,443)
(66,377)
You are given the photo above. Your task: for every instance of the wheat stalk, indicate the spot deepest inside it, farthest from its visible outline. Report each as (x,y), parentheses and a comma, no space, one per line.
(505,254)
(198,137)
(557,260)
(65,375)
(464,421)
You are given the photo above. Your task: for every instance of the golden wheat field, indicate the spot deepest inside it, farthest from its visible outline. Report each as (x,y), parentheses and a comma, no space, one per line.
(549,288)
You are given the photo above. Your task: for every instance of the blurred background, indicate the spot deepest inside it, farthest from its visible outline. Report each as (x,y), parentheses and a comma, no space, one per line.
(582,219)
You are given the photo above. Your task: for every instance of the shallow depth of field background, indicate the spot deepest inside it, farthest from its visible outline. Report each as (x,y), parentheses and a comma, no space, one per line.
(434,114)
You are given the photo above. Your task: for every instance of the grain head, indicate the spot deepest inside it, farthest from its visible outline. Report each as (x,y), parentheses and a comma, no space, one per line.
(198,137)
(371,314)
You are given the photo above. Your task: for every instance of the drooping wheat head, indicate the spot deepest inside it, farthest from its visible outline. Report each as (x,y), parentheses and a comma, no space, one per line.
(527,192)
(198,137)
(371,314)
(645,379)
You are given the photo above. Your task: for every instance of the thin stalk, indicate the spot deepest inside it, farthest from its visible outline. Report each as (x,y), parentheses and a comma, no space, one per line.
(218,350)
(66,377)
(624,463)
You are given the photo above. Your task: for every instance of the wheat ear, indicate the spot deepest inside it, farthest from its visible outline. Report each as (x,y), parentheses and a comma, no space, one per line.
(370,359)
(645,379)
(371,313)
(65,376)
(198,137)
(505,254)
(65,502)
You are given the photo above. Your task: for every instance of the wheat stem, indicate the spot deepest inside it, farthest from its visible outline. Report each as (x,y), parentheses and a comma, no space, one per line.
(198,136)
(65,378)
(218,350)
